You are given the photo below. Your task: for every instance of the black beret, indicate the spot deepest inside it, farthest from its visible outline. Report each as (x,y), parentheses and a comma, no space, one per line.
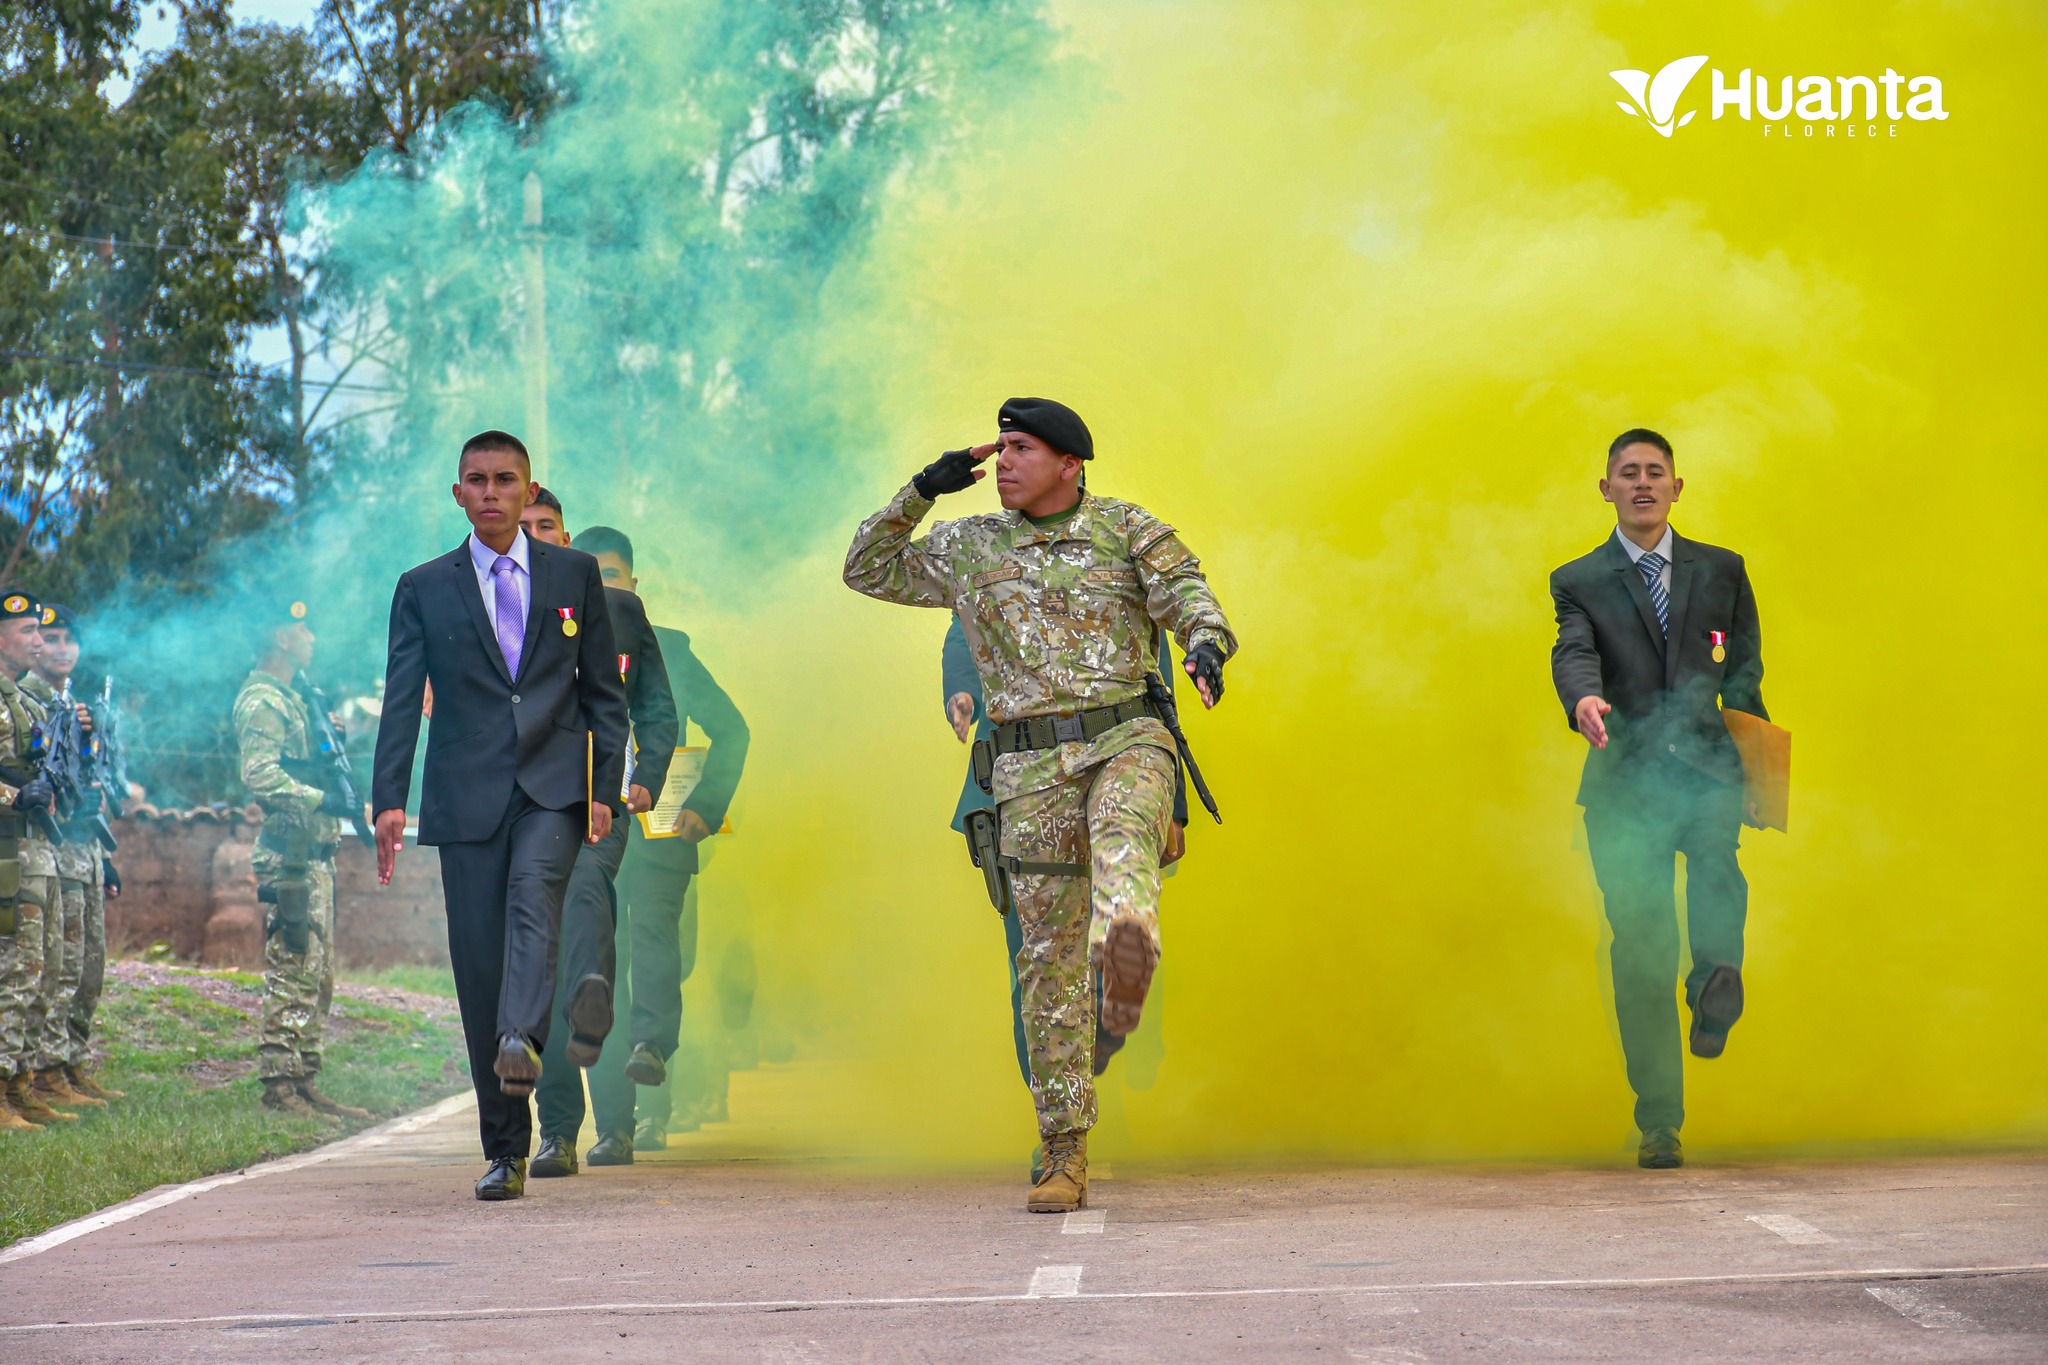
(57,614)
(15,604)
(1056,424)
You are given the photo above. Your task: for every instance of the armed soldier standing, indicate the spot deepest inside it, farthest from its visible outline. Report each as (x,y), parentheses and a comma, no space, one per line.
(294,862)
(1060,596)
(28,878)
(82,937)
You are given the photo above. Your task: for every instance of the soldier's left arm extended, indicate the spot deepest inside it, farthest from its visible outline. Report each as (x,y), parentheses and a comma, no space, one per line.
(264,731)
(885,563)
(1177,594)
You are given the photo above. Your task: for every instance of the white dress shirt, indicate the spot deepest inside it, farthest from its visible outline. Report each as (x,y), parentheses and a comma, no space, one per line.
(483,557)
(1636,553)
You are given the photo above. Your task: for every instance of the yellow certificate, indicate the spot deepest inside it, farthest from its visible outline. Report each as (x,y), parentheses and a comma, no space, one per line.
(685,771)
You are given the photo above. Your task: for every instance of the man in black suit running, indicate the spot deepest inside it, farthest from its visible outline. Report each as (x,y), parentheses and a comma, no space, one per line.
(1655,633)
(516,641)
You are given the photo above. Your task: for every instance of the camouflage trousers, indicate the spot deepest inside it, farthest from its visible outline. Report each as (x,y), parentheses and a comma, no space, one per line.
(24,967)
(1112,819)
(298,988)
(82,878)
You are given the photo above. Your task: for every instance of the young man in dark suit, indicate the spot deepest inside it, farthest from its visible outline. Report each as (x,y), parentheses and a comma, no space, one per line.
(516,640)
(1655,634)
(588,966)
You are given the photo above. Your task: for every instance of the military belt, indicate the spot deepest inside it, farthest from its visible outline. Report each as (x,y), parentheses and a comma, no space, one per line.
(278,842)
(1045,732)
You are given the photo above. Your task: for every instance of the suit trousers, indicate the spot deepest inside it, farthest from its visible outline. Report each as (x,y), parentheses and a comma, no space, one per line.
(590,930)
(1635,844)
(655,885)
(504,898)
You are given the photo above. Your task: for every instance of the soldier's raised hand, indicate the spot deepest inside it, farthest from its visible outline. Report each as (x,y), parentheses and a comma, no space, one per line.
(952,471)
(1204,664)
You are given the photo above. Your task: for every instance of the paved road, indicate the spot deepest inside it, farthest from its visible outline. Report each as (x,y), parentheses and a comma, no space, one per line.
(375,1251)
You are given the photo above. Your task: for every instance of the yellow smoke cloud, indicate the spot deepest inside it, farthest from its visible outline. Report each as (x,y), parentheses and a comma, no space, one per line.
(1354,296)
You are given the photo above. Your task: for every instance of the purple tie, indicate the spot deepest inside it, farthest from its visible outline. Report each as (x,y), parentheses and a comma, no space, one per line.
(511,621)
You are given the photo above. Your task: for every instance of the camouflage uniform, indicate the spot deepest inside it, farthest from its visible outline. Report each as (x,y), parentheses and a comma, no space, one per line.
(65,936)
(1060,620)
(298,988)
(27,964)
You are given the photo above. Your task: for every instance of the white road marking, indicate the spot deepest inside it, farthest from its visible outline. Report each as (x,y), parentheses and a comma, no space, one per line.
(1054,1282)
(1791,1229)
(350,1316)
(134,1208)
(1084,1220)
(1913,1303)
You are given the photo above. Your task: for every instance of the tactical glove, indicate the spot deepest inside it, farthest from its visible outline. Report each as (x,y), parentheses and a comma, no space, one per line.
(35,794)
(1206,663)
(335,804)
(950,473)
(110,876)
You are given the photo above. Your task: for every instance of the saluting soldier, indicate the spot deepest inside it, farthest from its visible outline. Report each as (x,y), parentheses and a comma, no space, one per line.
(1059,596)
(28,877)
(77,935)
(294,864)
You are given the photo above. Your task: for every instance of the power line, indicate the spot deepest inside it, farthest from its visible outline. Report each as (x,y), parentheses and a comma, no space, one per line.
(149,368)
(148,246)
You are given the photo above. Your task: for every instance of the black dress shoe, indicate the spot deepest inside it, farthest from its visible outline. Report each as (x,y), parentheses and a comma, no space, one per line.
(518,1066)
(505,1180)
(1715,1010)
(590,1020)
(613,1149)
(557,1156)
(645,1066)
(1660,1150)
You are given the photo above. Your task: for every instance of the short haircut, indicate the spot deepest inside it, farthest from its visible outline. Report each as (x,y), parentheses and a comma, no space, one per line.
(604,540)
(1638,436)
(495,440)
(543,498)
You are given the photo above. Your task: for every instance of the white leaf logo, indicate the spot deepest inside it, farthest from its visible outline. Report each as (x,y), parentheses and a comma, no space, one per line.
(1656,98)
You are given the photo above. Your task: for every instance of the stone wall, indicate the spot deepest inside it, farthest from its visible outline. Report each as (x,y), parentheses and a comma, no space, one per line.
(187,884)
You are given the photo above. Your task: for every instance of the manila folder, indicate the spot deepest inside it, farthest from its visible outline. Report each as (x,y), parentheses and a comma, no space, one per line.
(1766,766)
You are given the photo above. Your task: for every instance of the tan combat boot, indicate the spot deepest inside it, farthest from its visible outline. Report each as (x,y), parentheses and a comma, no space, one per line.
(21,1094)
(310,1093)
(11,1120)
(57,1086)
(85,1083)
(282,1094)
(1064,1185)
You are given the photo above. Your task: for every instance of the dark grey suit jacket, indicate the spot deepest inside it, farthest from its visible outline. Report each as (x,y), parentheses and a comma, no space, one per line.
(1667,693)
(490,731)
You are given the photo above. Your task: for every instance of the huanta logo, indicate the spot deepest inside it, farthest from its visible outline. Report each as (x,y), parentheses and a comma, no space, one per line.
(1813,100)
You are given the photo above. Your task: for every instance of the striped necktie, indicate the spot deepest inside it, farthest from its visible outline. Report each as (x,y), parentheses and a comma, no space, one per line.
(1652,566)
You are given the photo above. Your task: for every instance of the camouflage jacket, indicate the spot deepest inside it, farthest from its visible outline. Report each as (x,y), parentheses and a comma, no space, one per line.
(271,723)
(1058,620)
(20,713)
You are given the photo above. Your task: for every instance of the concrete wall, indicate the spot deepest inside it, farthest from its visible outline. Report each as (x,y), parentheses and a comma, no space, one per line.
(186,883)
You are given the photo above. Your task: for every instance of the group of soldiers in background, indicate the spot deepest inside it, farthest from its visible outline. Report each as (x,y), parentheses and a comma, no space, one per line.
(60,774)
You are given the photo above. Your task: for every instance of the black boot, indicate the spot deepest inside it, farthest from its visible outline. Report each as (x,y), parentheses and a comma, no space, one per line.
(518,1066)
(613,1149)
(645,1066)
(505,1180)
(1660,1150)
(590,1020)
(557,1156)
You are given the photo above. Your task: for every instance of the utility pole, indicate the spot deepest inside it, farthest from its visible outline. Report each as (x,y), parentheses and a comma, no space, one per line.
(536,338)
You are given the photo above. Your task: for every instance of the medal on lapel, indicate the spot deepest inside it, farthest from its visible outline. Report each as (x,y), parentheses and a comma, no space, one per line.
(1720,639)
(568,615)
(624,661)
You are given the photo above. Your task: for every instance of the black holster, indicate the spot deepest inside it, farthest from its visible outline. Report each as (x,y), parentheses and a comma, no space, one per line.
(984,847)
(290,891)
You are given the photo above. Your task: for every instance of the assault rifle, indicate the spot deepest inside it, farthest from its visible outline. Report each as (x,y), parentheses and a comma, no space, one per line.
(328,768)
(110,753)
